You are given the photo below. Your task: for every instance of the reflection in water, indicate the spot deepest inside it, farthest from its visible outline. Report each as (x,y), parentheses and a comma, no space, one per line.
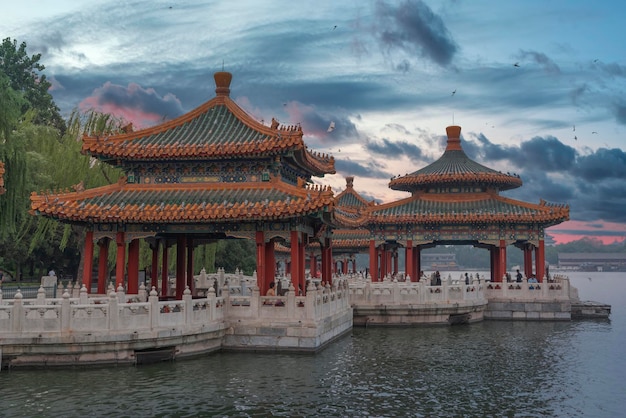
(484,369)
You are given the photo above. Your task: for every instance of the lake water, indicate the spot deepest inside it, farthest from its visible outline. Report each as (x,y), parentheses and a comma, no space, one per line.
(490,369)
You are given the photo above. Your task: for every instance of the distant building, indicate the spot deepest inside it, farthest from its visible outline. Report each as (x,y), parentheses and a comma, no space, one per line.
(593,261)
(439,261)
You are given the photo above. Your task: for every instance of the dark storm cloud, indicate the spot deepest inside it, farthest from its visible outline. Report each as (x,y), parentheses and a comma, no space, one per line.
(540,58)
(412,27)
(613,69)
(545,154)
(602,164)
(592,183)
(619,109)
(394,149)
(495,152)
(138,98)
(539,184)
(369,170)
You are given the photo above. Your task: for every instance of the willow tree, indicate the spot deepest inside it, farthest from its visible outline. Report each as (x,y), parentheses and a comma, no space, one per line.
(62,166)
(13,154)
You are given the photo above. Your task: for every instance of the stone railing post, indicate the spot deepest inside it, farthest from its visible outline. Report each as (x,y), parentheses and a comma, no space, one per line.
(65,312)
(421,290)
(255,301)
(220,274)
(395,291)
(142,295)
(0,295)
(114,313)
(155,312)
(188,301)
(17,312)
(76,290)
(309,304)
(41,296)
(226,296)
(291,301)
(83,299)
(121,295)
(211,300)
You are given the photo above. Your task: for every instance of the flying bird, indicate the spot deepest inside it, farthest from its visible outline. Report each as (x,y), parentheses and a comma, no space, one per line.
(334,27)
(596,60)
(454,92)
(574,128)
(575,138)
(516,64)
(594,132)
(331,127)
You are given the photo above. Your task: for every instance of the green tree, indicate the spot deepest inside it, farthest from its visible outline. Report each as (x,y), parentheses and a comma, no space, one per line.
(13,154)
(236,253)
(25,75)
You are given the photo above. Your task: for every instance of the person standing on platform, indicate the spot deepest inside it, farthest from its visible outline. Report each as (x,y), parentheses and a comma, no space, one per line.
(271,291)
(518,276)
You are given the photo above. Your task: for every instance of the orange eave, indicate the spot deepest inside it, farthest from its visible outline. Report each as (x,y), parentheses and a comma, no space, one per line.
(276,139)
(70,207)
(547,213)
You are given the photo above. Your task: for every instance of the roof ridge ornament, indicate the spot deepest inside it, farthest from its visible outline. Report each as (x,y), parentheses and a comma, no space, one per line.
(222,83)
(454,137)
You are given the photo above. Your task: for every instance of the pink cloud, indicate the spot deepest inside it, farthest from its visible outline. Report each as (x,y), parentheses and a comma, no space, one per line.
(606,232)
(143,107)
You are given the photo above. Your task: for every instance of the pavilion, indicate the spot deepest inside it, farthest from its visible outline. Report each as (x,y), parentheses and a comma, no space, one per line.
(457,201)
(213,173)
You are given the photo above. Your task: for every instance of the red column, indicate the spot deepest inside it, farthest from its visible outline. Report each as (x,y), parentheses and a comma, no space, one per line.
(395,262)
(408,260)
(270,265)
(302,264)
(540,260)
(154,270)
(181,249)
(528,260)
(120,261)
(133,267)
(327,261)
(494,264)
(88,266)
(103,258)
(190,282)
(373,261)
(417,263)
(383,262)
(260,262)
(295,259)
(313,264)
(164,268)
(502,259)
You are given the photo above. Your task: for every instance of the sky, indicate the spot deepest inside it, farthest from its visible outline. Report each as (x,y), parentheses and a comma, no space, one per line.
(537,86)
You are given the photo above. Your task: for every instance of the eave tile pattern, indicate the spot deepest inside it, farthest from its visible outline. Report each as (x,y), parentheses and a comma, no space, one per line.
(131,203)
(454,168)
(217,129)
(490,209)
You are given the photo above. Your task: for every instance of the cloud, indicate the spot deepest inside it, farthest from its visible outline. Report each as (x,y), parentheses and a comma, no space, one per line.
(368,170)
(412,27)
(592,182)
(600,165)
(394,149)
(143,107)
(542,59)
(619,110)
(544,154)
